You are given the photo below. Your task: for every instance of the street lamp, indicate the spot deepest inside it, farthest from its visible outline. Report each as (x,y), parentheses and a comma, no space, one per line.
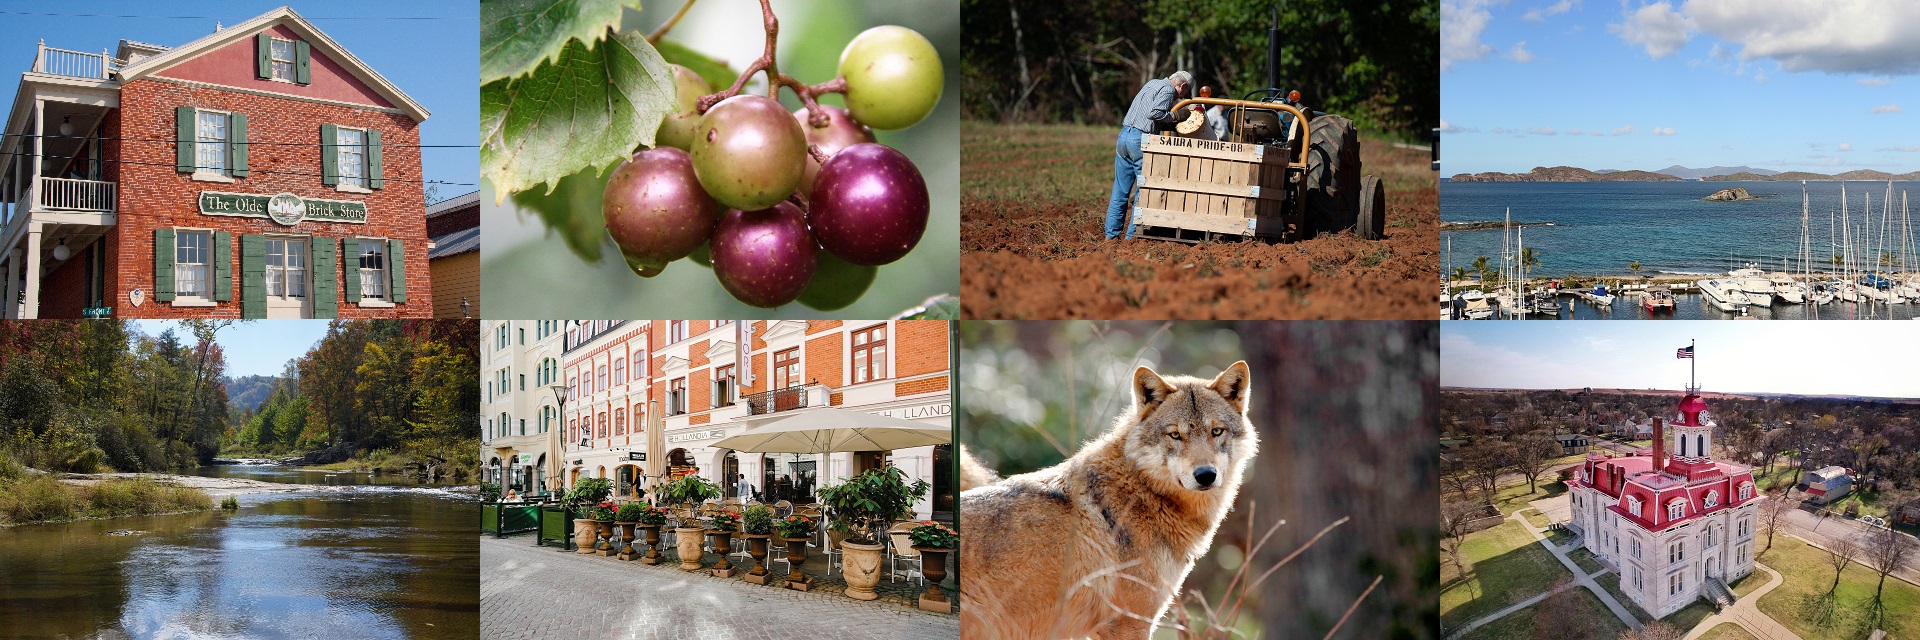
(560,393)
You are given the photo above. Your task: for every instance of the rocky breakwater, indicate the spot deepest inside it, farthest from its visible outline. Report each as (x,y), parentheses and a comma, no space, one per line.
(1730,195)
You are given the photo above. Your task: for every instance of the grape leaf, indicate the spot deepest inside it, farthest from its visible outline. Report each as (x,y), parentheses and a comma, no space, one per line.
(589,108)
(716,73)
(517,35)
(572,209)
(940,307)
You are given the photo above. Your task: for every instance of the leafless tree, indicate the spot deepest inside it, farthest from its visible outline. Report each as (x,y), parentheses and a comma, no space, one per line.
(1455,516)
(1486,461)
(1886,550)
(1530,454)
(1771,510)
(1840,553)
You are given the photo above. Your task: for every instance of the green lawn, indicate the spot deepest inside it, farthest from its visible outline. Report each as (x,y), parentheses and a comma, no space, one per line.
(1515,497)
(1783,472)
(1592,621)
(1585,559)
(1795,603)
(1505,564)
(1536,518)
(1727,631)
(1749,584)
(1560,537)
(1684,619)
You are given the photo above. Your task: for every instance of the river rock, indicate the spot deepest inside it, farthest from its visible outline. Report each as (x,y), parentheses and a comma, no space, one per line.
(1730,195)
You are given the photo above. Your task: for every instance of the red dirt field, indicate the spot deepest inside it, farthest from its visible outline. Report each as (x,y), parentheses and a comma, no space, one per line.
(1032,248)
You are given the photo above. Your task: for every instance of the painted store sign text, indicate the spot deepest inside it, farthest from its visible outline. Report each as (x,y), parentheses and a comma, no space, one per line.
(284,208)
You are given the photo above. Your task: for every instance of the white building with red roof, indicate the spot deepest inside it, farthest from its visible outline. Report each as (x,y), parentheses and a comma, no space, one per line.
(1676,529)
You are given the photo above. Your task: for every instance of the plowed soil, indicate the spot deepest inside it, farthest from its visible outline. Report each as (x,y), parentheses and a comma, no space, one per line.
(1032,246)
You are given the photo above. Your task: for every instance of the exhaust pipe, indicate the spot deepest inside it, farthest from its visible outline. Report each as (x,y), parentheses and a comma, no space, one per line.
(1273,50)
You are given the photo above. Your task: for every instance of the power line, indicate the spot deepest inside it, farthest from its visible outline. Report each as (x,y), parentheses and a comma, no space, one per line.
(110,15)
(249,142)
(284,173)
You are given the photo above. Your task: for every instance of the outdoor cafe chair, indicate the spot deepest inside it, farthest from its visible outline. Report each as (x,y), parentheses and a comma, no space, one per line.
(782,509)
(902,559)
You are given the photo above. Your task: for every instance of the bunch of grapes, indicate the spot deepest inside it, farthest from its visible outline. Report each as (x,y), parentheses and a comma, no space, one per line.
(784,206)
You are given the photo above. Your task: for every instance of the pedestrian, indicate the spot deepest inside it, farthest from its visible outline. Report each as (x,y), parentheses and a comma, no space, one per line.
(1150,112)
(742,488)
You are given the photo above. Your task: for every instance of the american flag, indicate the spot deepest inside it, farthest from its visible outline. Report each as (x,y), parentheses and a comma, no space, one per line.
(1684,352)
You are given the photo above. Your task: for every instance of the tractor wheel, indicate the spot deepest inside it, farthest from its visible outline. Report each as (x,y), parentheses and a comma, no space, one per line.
(1372,223)
(1333,174)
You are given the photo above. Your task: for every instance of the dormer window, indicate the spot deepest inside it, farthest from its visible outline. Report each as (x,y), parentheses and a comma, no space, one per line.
(1713,499)
(282,58)
(1746,491)
(1633,506)
(1676,509)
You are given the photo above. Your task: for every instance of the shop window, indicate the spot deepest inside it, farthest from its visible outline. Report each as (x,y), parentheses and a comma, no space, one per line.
(286,268)
(192,263)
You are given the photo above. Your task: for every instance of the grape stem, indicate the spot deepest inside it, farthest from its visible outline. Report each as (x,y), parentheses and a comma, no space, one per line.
(766,62)
(654,38)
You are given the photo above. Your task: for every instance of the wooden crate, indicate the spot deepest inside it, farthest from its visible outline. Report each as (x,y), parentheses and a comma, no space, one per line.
(1206,186)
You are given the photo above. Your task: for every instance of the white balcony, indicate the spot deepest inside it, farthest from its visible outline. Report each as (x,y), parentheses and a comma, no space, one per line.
(75,64)
(70,194)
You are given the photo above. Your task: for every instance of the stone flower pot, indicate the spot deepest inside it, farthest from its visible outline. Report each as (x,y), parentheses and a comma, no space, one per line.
(722,543)
(933,564)
(608,539)
(757,549)
(626,540)
(584,534)
(689,539)
(652,533)
(797,555)
(861,568)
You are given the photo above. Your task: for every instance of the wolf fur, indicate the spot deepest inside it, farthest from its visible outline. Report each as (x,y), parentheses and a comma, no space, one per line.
(1099,544)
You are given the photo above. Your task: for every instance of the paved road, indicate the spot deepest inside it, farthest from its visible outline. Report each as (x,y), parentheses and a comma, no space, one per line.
(537,592)
(1824,531)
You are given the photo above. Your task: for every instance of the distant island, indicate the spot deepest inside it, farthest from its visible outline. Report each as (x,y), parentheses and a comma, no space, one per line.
(1730,195)
(1677,173)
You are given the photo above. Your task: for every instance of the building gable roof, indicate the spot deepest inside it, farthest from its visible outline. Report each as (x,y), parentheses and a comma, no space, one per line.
(287,17)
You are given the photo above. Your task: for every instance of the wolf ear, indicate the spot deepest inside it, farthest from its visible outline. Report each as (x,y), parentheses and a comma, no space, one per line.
(1148,391)
(1232,385)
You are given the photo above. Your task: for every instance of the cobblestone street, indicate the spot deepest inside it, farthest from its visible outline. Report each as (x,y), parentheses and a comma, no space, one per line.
(539,592)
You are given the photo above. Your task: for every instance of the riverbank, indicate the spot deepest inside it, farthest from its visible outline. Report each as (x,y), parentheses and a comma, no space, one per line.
(35,497)
(211,487)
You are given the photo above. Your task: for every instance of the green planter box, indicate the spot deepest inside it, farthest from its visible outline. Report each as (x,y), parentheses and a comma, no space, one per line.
(490,518)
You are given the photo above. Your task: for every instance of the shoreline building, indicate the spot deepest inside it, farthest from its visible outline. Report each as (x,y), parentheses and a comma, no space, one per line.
(1676,529)
(260,171)
(520,362)
(652,397)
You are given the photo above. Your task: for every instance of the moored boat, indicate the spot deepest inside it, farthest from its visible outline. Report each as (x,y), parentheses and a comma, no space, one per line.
(1658,299)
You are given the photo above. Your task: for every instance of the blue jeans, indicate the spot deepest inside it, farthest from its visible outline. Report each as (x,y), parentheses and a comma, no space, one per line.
(1126,171)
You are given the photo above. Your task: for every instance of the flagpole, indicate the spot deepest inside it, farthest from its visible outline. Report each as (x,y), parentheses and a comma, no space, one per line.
(1693,366)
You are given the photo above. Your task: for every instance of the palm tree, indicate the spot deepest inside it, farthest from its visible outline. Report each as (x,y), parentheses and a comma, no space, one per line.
(1481,265)
(1459,273)
(1634,267)
(1528,260)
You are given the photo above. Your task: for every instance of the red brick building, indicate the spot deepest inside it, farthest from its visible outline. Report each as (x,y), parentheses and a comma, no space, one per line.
(260,171)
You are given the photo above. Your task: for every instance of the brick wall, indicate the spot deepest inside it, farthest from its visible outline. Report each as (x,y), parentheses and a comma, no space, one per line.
(824,360)
(923,385)
(455,220)
(153,195)
(920,346)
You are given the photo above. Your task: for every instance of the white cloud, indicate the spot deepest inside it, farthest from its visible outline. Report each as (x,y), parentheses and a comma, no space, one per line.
(1844,146)
(1596,132)
(1760,76)
(1624,130)
(1542,131)
(1540,14)
(1448,127)
(1717,51)
(1885,108)
(1574,132)
(1519,53)
(1907,149)
(1663,131)
(1461,22)
(1853,36)
(1874,82)
(1657,27)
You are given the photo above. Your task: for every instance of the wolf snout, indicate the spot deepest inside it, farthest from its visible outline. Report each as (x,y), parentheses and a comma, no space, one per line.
(1205,477)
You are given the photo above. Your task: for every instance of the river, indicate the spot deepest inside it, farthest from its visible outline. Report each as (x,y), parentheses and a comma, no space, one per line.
(369,558)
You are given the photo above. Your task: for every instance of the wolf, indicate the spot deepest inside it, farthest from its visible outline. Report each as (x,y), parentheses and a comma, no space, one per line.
(1099,544)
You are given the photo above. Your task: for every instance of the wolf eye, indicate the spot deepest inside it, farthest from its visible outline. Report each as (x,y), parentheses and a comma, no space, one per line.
(1217,431)
(1173,434)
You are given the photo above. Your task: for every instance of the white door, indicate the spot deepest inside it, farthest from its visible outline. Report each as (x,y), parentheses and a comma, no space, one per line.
(288,279)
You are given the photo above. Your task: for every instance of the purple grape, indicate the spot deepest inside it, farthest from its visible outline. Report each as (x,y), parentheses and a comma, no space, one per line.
(764,258)
(841,132)
(869,205)
(656,210)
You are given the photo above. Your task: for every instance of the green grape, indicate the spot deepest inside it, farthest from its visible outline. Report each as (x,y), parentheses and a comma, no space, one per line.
(676,130)
(749,152)
(893,77)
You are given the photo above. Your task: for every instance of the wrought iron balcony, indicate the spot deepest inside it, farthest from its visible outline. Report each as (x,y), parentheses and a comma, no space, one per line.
(777,400)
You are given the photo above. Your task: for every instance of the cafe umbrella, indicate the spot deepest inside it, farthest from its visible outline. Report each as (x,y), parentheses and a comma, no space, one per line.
(830,430)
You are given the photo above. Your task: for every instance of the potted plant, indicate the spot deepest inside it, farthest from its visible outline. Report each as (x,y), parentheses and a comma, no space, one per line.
(649,522)
(626,516)
(722,528)
(489,492)
(867,503)
(603,518)
(795,530)
(757,525)
(689,491)
(934,541)
(586,491)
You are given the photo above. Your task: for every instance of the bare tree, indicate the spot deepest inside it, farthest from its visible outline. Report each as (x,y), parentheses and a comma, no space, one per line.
(1530,455)
(1486,461)
(1841,553)
(1657,630)
(1455,517)
(1886,550)
(1773,443)
(1771,510)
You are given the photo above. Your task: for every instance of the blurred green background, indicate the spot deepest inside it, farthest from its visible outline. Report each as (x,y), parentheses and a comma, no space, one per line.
(1345,413)
(528,271)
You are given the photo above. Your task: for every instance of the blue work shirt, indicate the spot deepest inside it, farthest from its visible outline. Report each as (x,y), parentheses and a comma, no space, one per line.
(1152,105)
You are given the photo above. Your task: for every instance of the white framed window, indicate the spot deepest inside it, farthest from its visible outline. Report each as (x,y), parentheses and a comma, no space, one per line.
(1635,545)
(286,267)
(1676,552)
(1676,582)
(723,386)
(1746,491)
(1633,505)
(1676,509)
(351,145)
(1636,579)
(282,53)
(373,268)
(1713,499)
(210,142)
(193,263)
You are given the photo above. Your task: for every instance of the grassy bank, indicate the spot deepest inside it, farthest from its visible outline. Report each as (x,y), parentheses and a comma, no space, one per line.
(389,462)
(29,499)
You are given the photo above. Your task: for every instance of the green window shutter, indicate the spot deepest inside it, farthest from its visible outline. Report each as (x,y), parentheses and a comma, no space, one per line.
(397,271)
(374,149)
(253,276)
(183,158)
(350,268)
(163,265)
(222,266)
(329,155)
(323,280)
(300,72)
(263,45)
(237,149)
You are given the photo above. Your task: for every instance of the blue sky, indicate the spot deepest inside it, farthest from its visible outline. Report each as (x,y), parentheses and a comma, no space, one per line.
(437,62)
(256,348)
(1858,358)
(1629,84)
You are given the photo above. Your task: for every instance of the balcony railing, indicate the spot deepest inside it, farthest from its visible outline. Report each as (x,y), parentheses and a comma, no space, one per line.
(61,62)
(776,401)
(67,194)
